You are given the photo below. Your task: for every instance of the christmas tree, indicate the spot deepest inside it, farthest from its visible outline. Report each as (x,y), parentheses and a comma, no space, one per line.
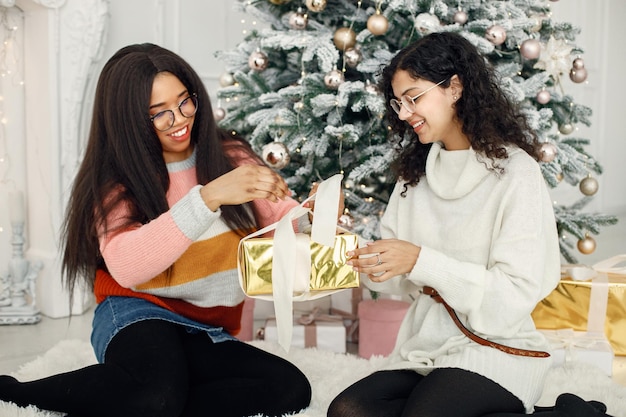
(303,91)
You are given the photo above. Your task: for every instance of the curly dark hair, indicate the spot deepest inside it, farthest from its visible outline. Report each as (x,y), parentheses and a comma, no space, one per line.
(489,119)
(123,158)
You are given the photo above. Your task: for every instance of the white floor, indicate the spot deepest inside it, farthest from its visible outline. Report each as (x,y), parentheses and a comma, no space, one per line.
(23,343)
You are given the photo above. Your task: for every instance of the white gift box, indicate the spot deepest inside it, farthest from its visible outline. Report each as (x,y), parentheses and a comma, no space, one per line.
(324,335)
(590,347)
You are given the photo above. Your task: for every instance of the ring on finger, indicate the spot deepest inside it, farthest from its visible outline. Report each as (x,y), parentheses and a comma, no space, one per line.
(378,261)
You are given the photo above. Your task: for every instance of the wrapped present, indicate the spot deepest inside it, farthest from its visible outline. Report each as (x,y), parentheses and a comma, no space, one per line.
(296,266)
(345,304)
(328,265)
(322,333)
(379,323)
(567,345)
(588,299)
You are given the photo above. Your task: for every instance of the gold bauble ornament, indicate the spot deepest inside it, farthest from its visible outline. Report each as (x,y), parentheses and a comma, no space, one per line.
(352,56)
(344,38)
(587,245)
(227,79)
(316,5)
(566,128)
(588,186)
(377,24)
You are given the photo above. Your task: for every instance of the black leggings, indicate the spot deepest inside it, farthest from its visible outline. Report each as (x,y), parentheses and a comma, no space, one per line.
(445,392)
(155,368)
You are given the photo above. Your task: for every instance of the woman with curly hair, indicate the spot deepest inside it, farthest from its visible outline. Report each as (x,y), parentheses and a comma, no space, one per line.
(470,230)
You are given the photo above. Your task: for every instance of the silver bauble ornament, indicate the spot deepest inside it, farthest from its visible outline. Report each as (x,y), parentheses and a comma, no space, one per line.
(298,20)
(344,38)
(219,113)
(496,35)
(258,61)
(377,24)
(530,49)
(587,245)
(588,186)
(276,155)
(460,17)
(426,23)
(346,221)
(352,57)
(578,63)
(371,88)
(566,128)
(578,75)
(316,5)
(333,79)
(227,79)
(548,151)
(543,97)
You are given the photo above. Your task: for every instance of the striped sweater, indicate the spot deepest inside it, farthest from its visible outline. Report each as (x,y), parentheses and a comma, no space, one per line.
(185,260)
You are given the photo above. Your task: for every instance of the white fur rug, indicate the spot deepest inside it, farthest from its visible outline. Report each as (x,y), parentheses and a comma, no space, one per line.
(329,374)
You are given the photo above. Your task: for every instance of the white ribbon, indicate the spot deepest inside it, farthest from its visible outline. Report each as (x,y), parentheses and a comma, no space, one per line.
(291,263)
(599,297)
(568,340)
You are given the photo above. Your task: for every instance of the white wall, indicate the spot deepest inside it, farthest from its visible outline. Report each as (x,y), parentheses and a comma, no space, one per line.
(66,43)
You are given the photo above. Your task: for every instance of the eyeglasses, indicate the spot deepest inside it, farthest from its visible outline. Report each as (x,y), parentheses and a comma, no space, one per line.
(164,119)
(409,102)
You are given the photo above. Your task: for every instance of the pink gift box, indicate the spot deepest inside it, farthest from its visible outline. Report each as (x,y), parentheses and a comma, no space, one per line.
(379,322)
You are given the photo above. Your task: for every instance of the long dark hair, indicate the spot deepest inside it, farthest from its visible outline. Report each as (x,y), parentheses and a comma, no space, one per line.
(488,118)
(123,159)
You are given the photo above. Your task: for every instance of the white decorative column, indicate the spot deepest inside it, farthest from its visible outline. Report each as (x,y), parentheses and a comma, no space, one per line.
(63,40)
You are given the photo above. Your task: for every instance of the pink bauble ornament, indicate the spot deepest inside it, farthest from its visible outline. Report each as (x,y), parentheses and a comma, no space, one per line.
(276,155)
(578,75)
(333,79)
(219,113)
(344,38)
(530,49)
(352,57)
(548,152)
(371,88)
(496,35)
(578,63)
(316,5)
(258,61)
(377,24)
(460,17)
(587,245)
(543,97)
(298,20)
(588,186)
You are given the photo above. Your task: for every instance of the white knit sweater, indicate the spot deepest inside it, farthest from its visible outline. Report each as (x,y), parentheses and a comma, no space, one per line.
(490,248)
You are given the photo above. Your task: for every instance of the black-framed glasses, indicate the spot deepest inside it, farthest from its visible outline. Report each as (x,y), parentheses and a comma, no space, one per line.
(409,102)
(165,119)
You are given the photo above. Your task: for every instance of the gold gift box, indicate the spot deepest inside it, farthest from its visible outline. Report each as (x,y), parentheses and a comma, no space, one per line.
(328,265)
(567,307)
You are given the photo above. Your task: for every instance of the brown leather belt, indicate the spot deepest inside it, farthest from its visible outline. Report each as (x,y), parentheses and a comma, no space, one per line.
(484,342)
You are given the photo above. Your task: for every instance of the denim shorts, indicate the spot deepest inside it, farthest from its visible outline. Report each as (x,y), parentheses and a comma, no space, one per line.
(115,313)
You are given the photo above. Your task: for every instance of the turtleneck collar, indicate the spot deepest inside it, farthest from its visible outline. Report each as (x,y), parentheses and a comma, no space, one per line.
(454,174)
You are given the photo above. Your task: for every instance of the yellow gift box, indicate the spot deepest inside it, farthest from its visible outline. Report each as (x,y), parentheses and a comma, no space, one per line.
(328,265)
(570,303)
